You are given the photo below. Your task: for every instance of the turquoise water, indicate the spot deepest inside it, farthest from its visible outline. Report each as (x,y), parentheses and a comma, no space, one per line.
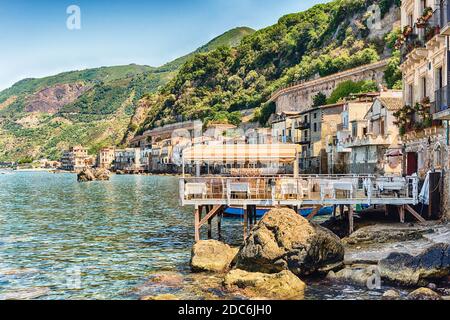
(60,239)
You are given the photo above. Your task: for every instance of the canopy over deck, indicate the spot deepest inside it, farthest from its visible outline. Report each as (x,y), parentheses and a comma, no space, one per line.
(285,153)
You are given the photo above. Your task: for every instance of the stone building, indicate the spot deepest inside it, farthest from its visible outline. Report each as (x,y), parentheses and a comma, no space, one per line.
(128,160)
(424,118)
(352,124)
(374,141)
(105,158)
(76,159)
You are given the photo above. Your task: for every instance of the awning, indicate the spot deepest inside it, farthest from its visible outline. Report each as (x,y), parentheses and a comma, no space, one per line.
(394,153)
(253,153)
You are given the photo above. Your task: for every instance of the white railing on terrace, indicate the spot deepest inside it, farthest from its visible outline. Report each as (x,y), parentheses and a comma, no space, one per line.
(306,189)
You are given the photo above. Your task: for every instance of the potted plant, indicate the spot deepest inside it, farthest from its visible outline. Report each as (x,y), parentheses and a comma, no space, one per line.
(427,13)
(407,30)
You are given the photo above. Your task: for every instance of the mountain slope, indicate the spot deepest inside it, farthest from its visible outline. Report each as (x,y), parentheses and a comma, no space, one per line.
(320,41)
(93,107)
(230,38)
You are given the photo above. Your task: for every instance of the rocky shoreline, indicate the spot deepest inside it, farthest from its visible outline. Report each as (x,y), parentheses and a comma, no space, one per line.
(283,251)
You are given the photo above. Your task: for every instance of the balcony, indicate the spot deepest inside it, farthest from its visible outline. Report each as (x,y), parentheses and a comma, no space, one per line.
(440,108)
(444,17)
(303,125)
(368,140)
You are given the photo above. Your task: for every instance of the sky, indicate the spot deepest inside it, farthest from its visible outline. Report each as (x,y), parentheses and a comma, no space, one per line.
(36,42)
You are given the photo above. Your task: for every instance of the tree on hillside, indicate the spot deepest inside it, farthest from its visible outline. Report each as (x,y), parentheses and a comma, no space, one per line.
(347,88)
(319,99)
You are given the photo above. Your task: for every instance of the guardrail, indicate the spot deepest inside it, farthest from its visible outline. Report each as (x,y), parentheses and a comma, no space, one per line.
(307,189)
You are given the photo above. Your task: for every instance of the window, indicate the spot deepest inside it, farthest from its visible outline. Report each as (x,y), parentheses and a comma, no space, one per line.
(315,127)
(315,115)
(437,157)
(424,87)
(306,119)
(410,95)
(354,129)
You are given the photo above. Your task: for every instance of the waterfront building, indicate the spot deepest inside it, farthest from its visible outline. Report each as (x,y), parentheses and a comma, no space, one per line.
(128,160)
(374,141)
(76,159)
(352,123)
(423,120)
(106,157)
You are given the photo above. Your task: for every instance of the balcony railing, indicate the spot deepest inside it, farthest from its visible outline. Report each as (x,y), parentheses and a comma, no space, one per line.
(441,100)
(303,125)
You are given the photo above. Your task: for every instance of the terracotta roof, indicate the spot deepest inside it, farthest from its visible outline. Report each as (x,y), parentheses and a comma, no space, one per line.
(392,104)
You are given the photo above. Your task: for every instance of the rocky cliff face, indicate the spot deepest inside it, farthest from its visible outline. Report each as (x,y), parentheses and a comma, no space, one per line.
(52,99)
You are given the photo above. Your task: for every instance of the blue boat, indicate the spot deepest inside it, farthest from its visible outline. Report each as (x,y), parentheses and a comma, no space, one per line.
(234,212)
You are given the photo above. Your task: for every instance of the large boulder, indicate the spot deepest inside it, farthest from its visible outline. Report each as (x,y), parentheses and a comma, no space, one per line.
(391,295)
(283,240)
(89,174)
(408,270)
(424,294)
(86,175)
(282,285)
(212,256)
(102,174)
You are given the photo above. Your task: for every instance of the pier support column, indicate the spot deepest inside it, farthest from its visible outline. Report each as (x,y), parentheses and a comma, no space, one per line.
(401,211)
(219,225)
(197,223)
(350,219)
(245,222)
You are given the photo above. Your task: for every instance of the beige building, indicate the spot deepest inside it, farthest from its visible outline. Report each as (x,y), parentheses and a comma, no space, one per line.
(76,159)
(105,158)
(374,141)
(352,124)
(423,120)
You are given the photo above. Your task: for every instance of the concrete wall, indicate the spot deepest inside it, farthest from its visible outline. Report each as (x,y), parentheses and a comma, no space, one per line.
(300,97)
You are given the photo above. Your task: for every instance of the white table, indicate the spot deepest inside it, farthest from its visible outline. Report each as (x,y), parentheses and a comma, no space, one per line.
(197,189)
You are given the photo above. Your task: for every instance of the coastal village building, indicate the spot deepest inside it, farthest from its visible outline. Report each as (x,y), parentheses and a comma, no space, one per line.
(423,120)
(374,141)
(128,160)
(352,124)
(106,157)
(76,159)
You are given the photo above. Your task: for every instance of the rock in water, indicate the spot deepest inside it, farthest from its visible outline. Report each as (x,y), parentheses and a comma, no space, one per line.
(93,174)
(408,270)
(161,297)
(357,274)
(212,256)
(86,175)
(102,174)
(283,240)
(282,285)
(424,294)
(391,295)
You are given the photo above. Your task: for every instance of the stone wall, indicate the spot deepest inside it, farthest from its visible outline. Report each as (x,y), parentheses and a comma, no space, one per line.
(299,97)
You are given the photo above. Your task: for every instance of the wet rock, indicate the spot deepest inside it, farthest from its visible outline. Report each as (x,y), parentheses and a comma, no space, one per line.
(93,175)
(212,256)
(283,240)
(161,297)
(391,295)
(432,286)
(282,285)
(168,279)
(408,270)
(356,274)
(424,294)
(383,234)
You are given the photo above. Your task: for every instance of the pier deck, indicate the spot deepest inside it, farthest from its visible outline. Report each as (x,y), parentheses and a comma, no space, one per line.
(217,192)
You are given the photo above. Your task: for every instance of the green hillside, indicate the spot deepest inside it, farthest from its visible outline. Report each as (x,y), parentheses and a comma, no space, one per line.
(230,38)
(323,40)
(94,107)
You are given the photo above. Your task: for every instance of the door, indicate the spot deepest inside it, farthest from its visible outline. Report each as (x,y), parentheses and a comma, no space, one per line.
(411,163)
